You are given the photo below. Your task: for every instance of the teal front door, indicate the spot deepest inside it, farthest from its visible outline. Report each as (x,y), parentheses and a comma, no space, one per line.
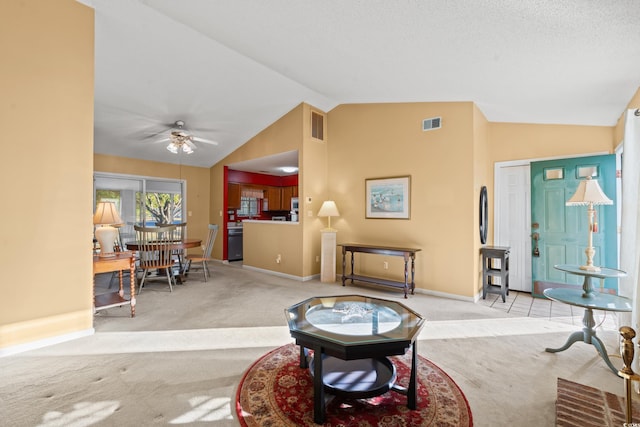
(560,233)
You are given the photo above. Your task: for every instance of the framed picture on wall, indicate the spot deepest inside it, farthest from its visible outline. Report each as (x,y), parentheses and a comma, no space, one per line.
(388,197)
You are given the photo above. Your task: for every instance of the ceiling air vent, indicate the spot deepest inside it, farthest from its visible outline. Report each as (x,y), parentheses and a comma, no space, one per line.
(431,124)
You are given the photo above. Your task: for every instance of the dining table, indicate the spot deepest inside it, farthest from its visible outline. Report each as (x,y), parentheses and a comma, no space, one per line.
(175,245)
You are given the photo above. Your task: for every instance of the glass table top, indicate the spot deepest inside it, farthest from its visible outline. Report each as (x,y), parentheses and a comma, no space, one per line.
(354,319)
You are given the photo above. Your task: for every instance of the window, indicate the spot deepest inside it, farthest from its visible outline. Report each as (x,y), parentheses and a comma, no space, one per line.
(140,200)
(250,202)
(249,206)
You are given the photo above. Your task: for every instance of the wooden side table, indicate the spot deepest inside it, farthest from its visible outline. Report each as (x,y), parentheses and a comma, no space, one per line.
(121,261)
(491,272)
(406,253)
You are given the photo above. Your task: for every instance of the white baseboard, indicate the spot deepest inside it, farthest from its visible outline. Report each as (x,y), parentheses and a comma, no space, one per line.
(446,295)
(34,345)
(276,273)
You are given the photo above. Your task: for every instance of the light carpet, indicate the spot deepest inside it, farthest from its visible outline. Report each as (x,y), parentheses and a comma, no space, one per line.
(181,359)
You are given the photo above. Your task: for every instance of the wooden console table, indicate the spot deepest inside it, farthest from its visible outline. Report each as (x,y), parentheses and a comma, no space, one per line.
(406,253)
(121,261)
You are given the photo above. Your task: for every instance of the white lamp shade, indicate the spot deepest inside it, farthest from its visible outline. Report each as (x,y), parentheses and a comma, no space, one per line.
(106,214)
(329,209)
(589,192)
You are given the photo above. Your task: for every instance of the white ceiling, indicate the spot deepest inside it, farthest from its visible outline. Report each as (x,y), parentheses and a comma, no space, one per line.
(230,68)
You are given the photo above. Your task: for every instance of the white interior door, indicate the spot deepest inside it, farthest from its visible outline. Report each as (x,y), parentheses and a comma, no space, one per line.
(512,219)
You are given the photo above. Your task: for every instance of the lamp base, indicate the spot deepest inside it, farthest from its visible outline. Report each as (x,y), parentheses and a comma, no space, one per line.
(590,268)
(106,236)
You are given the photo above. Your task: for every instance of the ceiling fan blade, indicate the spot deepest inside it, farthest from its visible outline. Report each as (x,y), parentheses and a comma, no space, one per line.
(205,141)
(162,140)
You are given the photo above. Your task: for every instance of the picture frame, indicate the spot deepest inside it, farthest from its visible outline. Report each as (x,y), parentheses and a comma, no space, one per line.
(388,198)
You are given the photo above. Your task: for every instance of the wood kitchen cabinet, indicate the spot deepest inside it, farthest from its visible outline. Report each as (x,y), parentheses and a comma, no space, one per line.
(274,195)
(233,196)
(280,197)
(287,194)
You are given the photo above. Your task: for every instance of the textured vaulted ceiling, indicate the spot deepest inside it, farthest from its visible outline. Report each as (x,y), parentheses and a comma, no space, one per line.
(229,68)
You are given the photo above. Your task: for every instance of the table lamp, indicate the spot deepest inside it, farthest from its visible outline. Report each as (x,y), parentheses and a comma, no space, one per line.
(329,209)
(589,193)
(106,215)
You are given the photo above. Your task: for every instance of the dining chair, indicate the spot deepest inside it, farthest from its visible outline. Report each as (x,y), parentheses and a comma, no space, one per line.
(155,252)
(206,252)
(179,234)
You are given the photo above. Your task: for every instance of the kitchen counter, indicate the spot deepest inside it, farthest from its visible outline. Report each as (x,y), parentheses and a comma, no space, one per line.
(274,246)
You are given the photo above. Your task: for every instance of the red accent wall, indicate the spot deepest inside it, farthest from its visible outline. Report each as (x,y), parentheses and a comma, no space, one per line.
(261,179)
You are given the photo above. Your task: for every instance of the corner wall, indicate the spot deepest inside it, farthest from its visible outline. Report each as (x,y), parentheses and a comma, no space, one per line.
(46,116)
(482,176)
(283,135)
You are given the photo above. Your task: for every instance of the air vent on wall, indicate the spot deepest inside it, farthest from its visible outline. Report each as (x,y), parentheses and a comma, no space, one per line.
(317,126)
(431,124)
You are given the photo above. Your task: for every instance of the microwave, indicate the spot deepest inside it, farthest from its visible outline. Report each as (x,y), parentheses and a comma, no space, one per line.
(294,204)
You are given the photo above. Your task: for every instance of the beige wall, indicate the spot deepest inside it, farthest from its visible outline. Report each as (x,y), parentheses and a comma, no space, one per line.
(198,187)
(483,176)
(386,140)
(516,141)
(46,117)
(314,186)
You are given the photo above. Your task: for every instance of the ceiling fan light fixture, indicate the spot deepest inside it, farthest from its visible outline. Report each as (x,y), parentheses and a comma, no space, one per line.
(176,146)
(173,148)
(181,141)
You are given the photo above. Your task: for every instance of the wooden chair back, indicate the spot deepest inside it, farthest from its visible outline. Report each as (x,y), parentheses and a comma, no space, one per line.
(155,246)
(211,238)
(180,232)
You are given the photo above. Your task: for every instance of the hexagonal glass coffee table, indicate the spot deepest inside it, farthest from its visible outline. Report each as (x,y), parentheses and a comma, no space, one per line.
(351,337)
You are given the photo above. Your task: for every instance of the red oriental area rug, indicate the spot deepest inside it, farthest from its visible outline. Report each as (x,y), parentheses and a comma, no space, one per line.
(275,391)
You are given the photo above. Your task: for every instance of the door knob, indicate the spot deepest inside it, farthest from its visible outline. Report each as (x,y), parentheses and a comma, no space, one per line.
(536,237)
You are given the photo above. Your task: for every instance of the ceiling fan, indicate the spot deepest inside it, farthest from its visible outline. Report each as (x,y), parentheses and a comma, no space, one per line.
(180,139)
